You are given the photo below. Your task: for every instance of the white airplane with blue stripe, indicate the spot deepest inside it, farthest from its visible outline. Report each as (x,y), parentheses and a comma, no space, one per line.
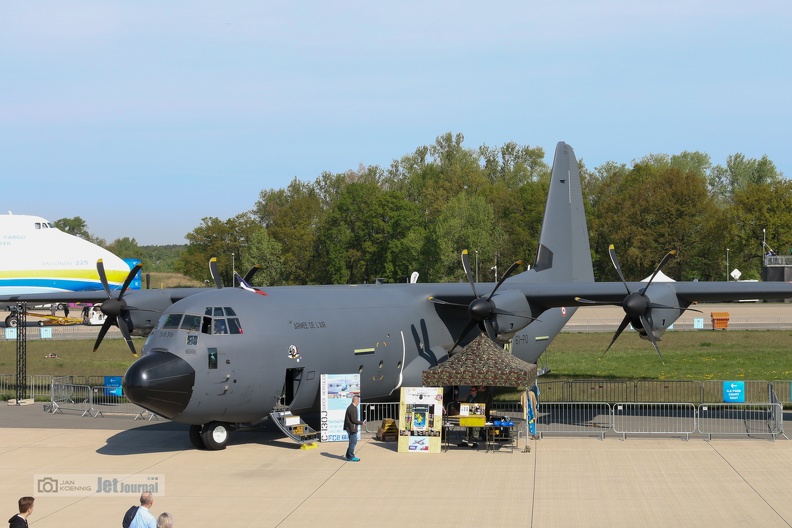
(38,258)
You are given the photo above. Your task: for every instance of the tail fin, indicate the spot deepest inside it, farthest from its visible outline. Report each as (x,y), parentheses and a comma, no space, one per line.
(564,253)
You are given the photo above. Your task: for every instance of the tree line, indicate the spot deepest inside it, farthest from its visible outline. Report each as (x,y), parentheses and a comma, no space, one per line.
(421,211)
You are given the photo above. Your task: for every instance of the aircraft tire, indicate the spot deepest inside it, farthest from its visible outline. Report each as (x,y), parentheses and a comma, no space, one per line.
(195,437)
(11,321)
(215,435)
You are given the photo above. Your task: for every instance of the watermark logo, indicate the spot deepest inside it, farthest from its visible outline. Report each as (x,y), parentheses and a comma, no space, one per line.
(95,484)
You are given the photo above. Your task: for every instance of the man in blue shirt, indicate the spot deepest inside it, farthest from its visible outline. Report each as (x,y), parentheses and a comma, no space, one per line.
(144,518)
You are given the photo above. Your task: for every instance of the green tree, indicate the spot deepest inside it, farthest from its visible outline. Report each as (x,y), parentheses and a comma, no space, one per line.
(264,251)
(225,240)
(125,248)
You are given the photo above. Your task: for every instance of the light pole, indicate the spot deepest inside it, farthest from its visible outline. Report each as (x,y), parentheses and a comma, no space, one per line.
(233,271)
(727,264)
(477,265)
(495,269)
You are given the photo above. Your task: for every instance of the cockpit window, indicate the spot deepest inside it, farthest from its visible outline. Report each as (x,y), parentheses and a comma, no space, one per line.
(215,322)
(233,325)
(172,321)
(191,323)
(220,327)
(38,225)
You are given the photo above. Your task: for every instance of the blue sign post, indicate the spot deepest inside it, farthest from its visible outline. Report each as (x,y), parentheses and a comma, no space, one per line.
(734,391)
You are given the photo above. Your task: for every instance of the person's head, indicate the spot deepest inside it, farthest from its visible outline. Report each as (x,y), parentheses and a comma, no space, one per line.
(26,504)
(165,520)
(146,499)
(473,390)
(355,399)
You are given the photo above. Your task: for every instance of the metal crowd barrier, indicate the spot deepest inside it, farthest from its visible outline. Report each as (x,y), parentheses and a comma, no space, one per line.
(574,418)
(741,419)
(93,401)
(376,412)
(654,418)
(68,397)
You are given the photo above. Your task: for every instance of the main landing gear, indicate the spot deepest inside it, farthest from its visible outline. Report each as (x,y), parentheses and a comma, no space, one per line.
(212,436)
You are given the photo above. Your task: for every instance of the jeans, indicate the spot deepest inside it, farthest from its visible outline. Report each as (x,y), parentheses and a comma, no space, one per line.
(350,454)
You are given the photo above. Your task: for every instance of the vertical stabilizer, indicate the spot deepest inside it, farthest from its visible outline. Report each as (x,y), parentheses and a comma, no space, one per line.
(564,253)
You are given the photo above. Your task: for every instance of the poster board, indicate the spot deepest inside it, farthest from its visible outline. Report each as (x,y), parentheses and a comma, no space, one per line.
(336,393)
(420,419)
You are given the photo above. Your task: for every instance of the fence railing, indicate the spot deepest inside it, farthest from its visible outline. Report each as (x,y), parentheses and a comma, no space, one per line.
(661,391)
(93,401)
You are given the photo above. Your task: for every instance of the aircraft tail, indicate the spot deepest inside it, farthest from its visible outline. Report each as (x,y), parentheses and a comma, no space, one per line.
(564,253)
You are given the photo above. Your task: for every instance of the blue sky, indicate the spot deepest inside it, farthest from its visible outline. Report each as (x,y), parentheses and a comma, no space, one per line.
(143,117)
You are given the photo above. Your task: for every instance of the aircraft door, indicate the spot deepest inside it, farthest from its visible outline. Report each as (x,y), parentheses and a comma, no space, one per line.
(291,385)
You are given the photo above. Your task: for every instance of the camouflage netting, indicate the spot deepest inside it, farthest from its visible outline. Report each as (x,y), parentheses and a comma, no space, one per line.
(482,362)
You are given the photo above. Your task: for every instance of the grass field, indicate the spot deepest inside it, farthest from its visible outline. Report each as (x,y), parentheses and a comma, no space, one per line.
(705,355)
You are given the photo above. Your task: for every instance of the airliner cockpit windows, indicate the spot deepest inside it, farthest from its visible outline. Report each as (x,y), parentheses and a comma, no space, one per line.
(172,321)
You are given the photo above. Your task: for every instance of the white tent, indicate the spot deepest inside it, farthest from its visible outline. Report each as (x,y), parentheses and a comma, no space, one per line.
(660,277)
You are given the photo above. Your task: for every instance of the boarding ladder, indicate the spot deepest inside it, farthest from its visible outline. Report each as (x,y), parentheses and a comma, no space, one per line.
(294,427)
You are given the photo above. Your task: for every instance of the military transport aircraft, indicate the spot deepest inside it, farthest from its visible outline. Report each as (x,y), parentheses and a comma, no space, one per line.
(229,356)
(222,357)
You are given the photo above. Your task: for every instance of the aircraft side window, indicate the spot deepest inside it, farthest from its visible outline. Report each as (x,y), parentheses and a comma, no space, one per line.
(38,225)
(218,312)
(208,312)
(220,326)
(206,327)
(212,358)
(172,321)
(191,322)
(230,311)
(233,325)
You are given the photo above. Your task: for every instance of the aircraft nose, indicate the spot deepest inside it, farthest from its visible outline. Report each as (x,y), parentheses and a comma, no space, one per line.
(160,382)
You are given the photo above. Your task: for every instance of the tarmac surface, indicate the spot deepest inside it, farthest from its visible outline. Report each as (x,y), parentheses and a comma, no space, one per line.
(264,480)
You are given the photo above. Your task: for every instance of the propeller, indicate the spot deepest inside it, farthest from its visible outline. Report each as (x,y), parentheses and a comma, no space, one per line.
(637,305)
(213,270)
(215,273)
(481,309)
(114,307)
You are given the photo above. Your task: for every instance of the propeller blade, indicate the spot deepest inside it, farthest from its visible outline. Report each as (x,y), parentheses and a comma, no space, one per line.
(464,333)
(660,266)
(103,276)
(491,333)
(215,273)
(130,277)
(498,311)
(102,331)
(125,332)
(466,265)
(648,330)
(655,305)
(581,300)
(505,276)
(612,253)
(249,275)
(446,303)
(622,326)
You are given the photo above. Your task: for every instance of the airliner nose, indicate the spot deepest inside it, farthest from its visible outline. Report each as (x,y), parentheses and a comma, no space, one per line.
(160,382)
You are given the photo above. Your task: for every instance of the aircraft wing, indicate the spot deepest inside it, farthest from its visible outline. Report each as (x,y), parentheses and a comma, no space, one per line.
(64,297)
(554,295)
